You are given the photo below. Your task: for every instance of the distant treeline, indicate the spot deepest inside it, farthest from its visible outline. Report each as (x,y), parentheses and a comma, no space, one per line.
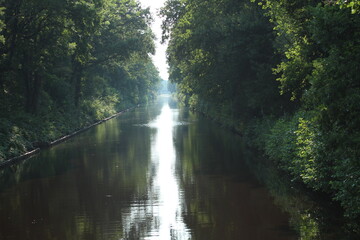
(67,63)
(285,73)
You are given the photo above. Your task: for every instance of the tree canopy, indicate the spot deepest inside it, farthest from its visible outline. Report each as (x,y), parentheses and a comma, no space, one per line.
(69,63)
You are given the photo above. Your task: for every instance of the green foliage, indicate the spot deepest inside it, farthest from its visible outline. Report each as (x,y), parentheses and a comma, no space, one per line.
(221,55)
(293,145)
(306,143)
(281,142)
(319,46)
(2,25)
(65,64)
(225,55)
(12,136)
(100,108)
(354,5)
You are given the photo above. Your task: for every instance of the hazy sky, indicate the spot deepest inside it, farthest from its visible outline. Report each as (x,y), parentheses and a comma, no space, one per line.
(160,57)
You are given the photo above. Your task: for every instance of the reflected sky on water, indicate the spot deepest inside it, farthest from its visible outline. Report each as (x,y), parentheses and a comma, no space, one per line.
(163,210)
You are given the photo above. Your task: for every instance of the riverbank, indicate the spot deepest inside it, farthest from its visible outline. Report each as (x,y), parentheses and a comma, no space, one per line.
(23,140)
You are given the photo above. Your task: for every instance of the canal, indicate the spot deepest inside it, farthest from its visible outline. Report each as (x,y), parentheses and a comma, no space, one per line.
(156,172)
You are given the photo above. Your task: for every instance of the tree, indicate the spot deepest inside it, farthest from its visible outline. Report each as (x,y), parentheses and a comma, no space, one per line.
(32,32)
(319,67)
(67,63)
(220,59)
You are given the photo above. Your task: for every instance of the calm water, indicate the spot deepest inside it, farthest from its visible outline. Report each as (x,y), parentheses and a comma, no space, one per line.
(153,173)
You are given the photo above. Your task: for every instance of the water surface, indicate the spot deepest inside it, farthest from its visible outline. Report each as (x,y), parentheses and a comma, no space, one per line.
(156,172)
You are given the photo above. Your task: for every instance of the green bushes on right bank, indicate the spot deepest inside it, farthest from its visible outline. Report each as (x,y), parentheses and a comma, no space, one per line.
(296,145)
(295,138)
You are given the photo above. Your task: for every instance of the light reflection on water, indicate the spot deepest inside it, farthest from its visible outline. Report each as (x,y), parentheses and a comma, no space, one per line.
(153,173)
(162,211)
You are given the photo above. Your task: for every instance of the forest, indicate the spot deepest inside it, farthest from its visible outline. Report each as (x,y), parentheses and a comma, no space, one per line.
(284,74)
(68,63)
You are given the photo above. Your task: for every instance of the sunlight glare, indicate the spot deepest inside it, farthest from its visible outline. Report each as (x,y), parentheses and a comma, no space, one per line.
(160,56)
(162,212)
(169,210)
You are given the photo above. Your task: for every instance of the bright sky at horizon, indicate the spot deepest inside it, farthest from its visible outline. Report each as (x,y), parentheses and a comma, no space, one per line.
(160,55)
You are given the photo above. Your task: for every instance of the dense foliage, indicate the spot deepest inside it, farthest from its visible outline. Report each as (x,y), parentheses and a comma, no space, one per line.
(226,56)
(67,63)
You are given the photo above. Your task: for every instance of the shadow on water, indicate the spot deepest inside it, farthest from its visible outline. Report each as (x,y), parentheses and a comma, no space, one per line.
(157,172)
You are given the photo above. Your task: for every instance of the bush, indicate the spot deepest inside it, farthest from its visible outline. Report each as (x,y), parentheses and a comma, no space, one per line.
(280,143)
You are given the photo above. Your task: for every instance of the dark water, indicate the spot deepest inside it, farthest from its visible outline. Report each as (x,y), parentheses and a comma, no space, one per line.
(153,173)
